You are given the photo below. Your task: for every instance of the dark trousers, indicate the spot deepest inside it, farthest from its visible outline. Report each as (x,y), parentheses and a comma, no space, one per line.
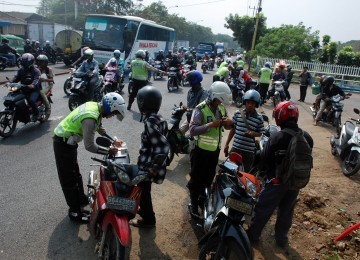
(247,158)
(91,87)
(203,169)
(137,84)
(271,197)
(146,208)
(263,89)
(69,173)
(303,92)
(33,97)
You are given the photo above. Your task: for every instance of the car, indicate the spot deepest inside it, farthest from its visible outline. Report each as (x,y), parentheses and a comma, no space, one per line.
(15,42)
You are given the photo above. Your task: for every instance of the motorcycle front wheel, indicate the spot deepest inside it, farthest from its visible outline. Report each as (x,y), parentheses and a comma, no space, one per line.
(351,163)
(229,251)
(7,124)
(74,102)
(67,87)
(112,247)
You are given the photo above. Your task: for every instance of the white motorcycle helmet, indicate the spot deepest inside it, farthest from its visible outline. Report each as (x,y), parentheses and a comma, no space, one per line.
(228,60)
(220,91)
(114,103)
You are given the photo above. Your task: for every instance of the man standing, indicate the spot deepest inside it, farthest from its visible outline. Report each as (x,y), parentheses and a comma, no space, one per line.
(305,81)
(206,126)
(264,81)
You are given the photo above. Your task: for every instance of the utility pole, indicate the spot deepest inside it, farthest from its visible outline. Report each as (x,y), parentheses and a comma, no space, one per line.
(256,24)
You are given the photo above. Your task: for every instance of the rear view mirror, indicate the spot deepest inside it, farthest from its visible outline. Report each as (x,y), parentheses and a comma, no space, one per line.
(265,118)
(103,141)
(357,111)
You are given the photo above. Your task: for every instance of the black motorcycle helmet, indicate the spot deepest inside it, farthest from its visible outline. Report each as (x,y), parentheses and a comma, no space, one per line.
(329,81)
(149,100)
(252,95)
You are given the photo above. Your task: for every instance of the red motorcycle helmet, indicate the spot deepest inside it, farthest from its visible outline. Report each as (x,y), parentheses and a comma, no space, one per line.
(284,111)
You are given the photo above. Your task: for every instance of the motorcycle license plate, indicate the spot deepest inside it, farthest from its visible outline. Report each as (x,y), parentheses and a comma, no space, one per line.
(239,205)
(119,203)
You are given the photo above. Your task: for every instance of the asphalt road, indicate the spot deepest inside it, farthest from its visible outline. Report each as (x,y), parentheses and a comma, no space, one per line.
(33,220)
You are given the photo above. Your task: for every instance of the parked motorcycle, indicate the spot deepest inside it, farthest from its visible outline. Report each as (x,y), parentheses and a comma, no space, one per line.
(114,199)
(79,93)
(173,81)
(111,81)
(238,91)
(179,144)
(232,195)
(332,114)
(347,146)
(205,66)
(18,110)
(71,81)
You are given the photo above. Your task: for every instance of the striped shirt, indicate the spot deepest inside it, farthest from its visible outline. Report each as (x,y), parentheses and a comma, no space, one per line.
(256,124)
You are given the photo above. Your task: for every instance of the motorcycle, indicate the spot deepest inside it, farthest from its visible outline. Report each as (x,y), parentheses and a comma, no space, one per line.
(111,82)
(160,66)
(238,91)
(173,81)
(219,60)
(279,93)
(232,195)
(211,64)
(179,144)
(332,113)
(114,199)
(185,69)
(79,93)
(71,81)
(205,66)
(347,146)
(6,62)
(18,110)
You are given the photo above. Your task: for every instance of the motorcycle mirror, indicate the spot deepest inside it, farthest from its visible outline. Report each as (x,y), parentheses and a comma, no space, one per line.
(103,141)
(181,103)
(357,111)
(265,118)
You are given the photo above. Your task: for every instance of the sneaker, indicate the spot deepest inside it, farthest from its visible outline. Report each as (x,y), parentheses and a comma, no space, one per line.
(140,223)
(79,216)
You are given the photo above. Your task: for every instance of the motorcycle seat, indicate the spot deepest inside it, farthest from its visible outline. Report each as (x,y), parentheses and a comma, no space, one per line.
(349,129)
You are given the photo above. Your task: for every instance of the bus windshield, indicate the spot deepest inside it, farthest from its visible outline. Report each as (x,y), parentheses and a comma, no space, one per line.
(108,33)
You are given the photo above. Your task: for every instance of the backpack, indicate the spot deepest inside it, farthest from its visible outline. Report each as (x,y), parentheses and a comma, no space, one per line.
(294,170)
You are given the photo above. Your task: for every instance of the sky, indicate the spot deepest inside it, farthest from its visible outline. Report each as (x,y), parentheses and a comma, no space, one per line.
(339,19)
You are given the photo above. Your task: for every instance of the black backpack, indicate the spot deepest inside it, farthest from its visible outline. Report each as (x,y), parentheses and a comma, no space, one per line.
(294,170)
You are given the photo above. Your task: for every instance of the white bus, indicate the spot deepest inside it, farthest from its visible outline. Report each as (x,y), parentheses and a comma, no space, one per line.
(106,33)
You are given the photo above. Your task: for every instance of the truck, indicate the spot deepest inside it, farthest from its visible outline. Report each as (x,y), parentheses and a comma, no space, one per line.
(44,31)
(219,47)
(182,43)
(68,39)
(204,47)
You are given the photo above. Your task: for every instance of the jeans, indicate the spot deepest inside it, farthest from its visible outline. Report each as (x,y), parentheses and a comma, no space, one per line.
(33,97)
(10,56)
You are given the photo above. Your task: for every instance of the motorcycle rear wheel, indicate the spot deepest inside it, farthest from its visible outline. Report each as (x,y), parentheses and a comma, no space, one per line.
(45,117)
(7,124)
(67,87)
(351,163)
(112,247)
(170,84)
(230,250)
(2,66)
(74,102)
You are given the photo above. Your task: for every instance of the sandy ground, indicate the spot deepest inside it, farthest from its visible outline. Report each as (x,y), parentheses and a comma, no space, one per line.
(326,206)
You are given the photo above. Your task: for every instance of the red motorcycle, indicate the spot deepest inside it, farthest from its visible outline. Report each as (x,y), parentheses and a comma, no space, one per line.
(17,108)
(114,199)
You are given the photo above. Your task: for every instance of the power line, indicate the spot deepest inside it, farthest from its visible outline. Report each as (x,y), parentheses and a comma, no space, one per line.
(199,3)
(7,3)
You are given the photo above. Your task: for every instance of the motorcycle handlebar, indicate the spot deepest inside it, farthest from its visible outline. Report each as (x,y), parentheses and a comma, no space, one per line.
(97,160)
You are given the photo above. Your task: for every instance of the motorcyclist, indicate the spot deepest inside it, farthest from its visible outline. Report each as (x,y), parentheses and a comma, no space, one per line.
(118,63)
(28,48)
(169,55)
(275,195)
(82,57)
(316,104)
(176,63)
(330,90)
(264,80)
(279,75)
(7,51)
(225,63)
(223,74)
(90,69)
(206,125)
(239,61)
(81,124)
(153,142)
(28,73)
(46,79)
(140,70)
(191,61)
(244,78)
(49,51)
(195,96)
(206,56)
(160,56)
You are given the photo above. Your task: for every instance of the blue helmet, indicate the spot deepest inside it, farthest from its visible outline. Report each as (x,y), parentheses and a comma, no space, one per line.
(194,77)
(252,95)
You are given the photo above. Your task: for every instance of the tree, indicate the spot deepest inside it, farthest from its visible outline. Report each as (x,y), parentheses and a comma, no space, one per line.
(243,29)
(289,42)
(346,56)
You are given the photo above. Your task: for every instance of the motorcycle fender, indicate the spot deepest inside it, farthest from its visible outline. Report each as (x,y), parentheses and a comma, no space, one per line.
(337,114)
(120,225)
(355,148)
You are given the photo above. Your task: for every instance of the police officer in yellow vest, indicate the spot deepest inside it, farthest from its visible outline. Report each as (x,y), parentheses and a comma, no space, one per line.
(264,81)
(240,62)
(206,125)
(82,123)
(140,70)
(223,74)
